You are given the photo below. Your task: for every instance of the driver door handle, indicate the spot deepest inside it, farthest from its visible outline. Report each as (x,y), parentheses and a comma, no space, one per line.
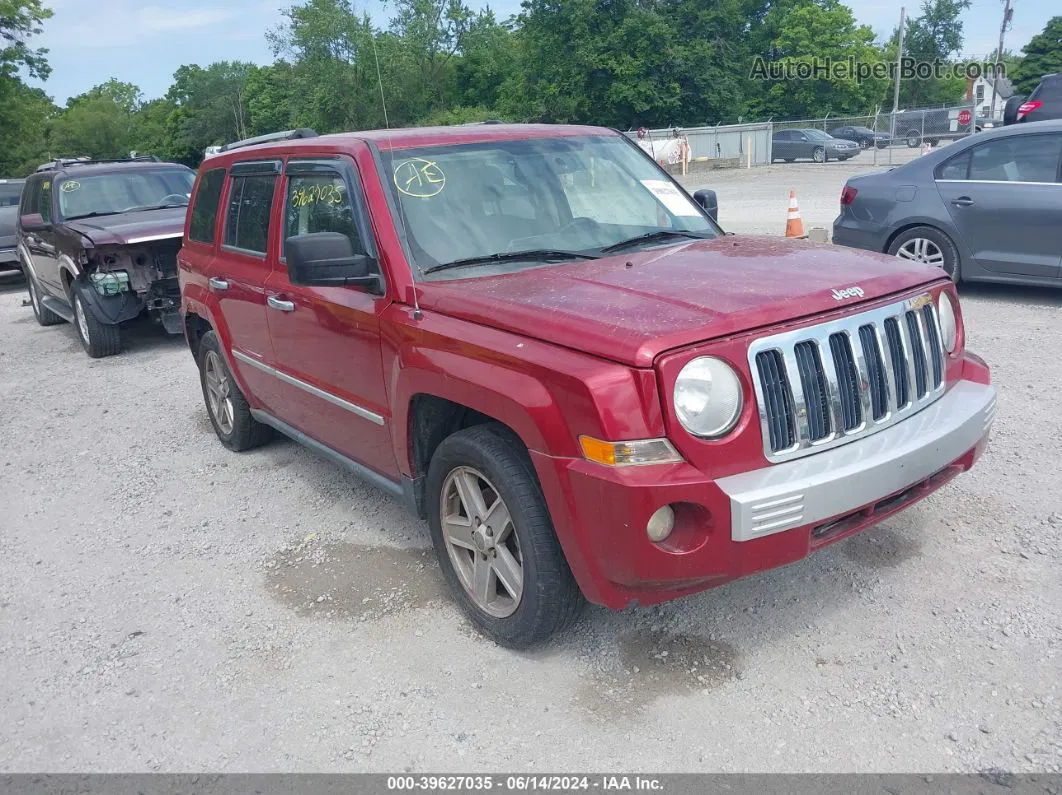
(963,201)
(281,304)
(218,284)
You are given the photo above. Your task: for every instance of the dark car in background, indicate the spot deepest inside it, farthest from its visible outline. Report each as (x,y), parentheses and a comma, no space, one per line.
(933,125)
(98,242)
(10,191)
(1043,104)
(984,209)
(864,136)
(810,144)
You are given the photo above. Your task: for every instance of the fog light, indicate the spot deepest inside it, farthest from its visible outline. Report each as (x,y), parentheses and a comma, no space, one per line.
(660,524)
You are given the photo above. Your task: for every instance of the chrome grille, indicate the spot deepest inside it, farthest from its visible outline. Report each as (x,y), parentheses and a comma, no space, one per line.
(822,386)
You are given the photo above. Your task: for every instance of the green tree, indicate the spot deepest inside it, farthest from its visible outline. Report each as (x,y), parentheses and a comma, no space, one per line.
(1043,56)
(99,123)
(24,111)
(936,35)
(804,32)
(209,107)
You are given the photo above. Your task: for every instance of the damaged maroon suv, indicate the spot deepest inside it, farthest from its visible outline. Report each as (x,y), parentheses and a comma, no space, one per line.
(98,243)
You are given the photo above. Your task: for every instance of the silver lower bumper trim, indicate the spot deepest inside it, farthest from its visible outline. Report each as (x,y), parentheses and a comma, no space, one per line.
(840,480)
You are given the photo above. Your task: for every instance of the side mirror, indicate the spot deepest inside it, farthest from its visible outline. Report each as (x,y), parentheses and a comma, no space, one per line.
(708,201)
(33,222)
(327,259)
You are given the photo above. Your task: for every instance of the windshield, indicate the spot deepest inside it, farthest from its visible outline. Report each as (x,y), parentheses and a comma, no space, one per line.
(552,198)
(10,193)
(817,135)
(122,191)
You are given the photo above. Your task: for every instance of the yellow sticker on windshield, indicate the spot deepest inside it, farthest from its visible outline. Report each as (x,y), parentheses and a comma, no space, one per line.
(419,178)
(70,186)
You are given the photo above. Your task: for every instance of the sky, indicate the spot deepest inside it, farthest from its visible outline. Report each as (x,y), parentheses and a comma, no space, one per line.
(143,43)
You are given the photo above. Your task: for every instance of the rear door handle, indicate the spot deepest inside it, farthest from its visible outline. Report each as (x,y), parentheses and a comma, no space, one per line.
(218,284)
(963,201)
(279,303)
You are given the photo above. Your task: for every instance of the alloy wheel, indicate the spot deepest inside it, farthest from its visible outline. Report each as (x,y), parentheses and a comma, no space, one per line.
(82,321)
(482,542)
(219,392)
(921,249)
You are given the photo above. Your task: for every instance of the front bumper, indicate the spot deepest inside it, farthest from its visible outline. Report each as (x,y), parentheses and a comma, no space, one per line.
(761,519)
(836,482)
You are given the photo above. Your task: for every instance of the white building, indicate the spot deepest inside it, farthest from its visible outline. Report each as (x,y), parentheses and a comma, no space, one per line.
(980,91)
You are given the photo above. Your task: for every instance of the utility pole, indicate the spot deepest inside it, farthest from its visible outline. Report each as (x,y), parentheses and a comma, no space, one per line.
(899,60)
(1008,12)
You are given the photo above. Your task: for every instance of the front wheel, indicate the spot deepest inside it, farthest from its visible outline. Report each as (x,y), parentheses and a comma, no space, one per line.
(819,155)
(913,140)
(98,339)
(494,538)
(930,246)
(864,144)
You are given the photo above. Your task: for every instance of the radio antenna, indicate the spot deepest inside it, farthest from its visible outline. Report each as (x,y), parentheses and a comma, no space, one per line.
(417,314)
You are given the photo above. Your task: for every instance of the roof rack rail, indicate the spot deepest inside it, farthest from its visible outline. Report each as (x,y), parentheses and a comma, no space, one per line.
(286,135)
(487,121)
(84,160)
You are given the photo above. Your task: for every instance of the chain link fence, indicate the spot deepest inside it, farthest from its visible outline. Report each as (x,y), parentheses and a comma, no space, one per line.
(883,138)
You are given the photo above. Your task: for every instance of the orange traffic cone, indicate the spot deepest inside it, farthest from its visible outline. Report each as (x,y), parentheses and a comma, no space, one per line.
(794,227)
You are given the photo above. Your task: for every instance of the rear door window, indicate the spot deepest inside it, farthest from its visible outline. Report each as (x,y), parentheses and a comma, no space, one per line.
(205,207)
(248,211)
(1018,158)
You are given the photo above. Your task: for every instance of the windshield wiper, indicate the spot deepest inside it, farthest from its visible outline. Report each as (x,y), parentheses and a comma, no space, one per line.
(649,237)
(93,214)
(144,207)
(511,256)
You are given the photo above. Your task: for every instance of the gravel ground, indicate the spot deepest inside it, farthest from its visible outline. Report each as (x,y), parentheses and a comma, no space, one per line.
(168,605)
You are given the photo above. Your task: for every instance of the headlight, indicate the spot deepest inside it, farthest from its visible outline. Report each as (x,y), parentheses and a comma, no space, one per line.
(949,327)
(707,397)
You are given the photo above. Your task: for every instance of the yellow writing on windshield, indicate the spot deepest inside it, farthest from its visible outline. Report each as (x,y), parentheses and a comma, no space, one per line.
(419,178)
(317,194)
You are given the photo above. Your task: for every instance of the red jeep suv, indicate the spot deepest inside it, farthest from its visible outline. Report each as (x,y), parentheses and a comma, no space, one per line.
(534,338)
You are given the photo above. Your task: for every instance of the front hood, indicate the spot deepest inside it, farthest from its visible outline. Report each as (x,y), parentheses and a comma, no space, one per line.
(632,307)
(129,228)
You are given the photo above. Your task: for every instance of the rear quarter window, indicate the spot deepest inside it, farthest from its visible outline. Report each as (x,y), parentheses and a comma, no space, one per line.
(205,207)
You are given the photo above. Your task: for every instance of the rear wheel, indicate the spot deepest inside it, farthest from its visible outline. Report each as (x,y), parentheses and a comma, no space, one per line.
(864,144)
(494,538)
(930,246)
(913,139)
(44,315)
(98,339)
(230,414)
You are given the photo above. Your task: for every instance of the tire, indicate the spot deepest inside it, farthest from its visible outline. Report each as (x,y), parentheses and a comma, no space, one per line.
(864,144)
(233,423)
(549,600)
(44,315)
(819,154)
(913,139)
(949,253)
(98,339)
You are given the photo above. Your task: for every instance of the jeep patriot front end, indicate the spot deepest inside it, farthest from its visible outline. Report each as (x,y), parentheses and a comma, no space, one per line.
(539,342)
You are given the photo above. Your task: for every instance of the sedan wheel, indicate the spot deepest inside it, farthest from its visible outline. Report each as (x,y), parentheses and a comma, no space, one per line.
(864,144)
(921,249)
(484,550)
(819,155)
